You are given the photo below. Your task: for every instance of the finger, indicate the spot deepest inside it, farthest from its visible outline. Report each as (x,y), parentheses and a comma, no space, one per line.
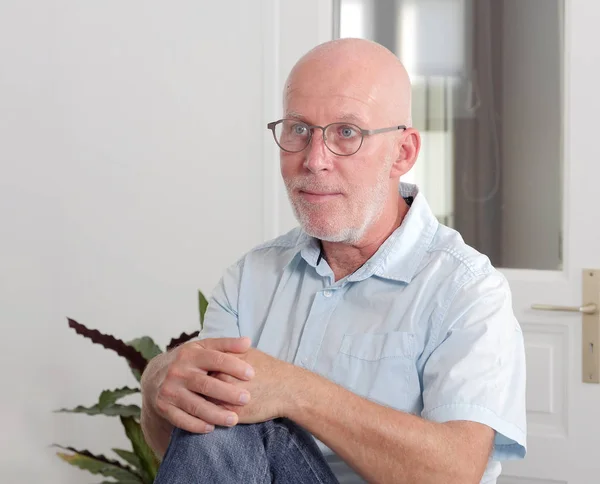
(227,406)
(224,377)
(179,418)
(218,389)
(227,345)
(196,406)
(211,360)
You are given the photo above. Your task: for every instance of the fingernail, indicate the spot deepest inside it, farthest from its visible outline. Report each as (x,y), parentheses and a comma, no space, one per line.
(210,428)
(249,372)
(244,398)
(230,420)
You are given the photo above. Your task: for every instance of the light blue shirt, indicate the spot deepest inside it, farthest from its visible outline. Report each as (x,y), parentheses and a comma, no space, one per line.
(425,326)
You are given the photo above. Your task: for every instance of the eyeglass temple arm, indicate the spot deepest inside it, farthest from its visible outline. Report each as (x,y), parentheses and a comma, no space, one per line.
(364,131)
(383,130)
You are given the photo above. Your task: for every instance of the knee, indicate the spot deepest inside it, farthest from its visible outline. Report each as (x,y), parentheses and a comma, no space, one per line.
(188,442)
(222,446)
(218,444)
(290,429)
(222,455)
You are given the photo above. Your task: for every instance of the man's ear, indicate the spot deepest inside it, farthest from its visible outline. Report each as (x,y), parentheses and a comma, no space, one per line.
(409,145)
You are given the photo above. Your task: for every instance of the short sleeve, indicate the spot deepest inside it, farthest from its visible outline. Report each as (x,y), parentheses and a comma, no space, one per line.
(221,316)
(477,370)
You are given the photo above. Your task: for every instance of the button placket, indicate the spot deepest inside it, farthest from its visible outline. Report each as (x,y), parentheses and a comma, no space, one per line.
(316,325)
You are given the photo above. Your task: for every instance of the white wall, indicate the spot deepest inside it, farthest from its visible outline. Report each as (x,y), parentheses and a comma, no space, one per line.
(122,191)
(121,194)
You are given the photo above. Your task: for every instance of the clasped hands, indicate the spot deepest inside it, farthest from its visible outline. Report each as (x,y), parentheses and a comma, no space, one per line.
(218,382)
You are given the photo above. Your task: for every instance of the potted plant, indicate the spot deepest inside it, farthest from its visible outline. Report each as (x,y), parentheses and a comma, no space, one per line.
(139,464)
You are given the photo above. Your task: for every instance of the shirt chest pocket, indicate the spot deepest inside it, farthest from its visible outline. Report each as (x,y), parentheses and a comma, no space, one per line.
(378,366)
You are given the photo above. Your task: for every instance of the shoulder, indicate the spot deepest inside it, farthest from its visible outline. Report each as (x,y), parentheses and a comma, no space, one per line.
(449,247)
(263,262)
(452,262)
(474,293)
(460,278)
(292,239)
(276,252)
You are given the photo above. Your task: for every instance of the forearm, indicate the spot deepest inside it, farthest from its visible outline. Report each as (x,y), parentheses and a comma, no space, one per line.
(385,445)
(157,430)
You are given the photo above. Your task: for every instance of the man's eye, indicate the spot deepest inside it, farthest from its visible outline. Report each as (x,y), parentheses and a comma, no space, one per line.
(299,129)
(347,131)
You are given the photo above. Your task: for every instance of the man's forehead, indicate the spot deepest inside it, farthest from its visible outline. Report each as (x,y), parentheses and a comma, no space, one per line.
(335,115)
(327,107)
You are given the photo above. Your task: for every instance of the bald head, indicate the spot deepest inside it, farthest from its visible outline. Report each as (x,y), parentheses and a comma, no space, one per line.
(344,85)
(358,69)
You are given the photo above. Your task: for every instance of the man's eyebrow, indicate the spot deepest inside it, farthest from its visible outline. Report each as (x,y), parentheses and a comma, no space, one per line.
(350,117)
(294,114)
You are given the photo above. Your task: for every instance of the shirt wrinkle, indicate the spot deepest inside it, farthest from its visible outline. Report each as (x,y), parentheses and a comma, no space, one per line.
(382,332)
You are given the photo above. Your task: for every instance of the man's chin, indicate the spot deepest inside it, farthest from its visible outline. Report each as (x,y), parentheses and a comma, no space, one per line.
(319,226)
(344,235)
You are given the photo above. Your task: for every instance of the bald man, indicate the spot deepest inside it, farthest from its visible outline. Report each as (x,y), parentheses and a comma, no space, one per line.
(368,344)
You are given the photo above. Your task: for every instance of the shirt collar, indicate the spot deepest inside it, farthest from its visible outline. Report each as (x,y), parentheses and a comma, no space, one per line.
(400,255)
(310,249)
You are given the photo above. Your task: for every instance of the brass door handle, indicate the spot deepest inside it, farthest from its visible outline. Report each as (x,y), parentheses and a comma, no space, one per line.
(590,323)
(585,309)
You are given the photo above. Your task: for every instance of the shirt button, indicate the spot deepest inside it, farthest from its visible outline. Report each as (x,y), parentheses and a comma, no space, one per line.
(327,293)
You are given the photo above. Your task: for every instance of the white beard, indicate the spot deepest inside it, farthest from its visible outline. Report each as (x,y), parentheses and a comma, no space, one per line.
(338,228)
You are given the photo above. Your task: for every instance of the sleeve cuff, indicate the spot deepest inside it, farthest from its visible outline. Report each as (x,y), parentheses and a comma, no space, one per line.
(510,440)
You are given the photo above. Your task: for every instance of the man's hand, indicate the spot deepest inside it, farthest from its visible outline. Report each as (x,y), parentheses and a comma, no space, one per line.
(177,385)
(272,388)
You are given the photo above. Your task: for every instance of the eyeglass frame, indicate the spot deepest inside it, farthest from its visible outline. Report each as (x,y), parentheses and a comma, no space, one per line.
(364,132)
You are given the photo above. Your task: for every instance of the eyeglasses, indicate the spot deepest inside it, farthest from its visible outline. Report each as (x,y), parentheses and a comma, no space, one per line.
(342,139)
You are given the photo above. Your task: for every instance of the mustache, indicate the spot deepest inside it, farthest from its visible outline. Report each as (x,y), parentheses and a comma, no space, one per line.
(306,184)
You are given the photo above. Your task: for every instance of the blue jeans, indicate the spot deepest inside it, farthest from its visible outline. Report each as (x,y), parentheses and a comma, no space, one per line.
(274,451)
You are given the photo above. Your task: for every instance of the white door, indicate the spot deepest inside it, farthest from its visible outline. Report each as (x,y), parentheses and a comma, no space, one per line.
(545,222)
(563,411)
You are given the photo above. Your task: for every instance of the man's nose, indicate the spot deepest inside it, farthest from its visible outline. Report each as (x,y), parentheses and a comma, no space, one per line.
(318,157)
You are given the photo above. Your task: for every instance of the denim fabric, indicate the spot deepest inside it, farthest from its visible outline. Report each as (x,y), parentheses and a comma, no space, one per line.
(277,451)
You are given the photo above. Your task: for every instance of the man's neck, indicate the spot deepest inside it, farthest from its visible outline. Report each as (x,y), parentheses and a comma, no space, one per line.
(344,259)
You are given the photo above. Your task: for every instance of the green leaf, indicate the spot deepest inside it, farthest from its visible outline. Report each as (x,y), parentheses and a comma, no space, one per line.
(137,374)
(113,410)
(148,461)
(147,348)
(98,464)
(109,397)
(202,305)
(129,457)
